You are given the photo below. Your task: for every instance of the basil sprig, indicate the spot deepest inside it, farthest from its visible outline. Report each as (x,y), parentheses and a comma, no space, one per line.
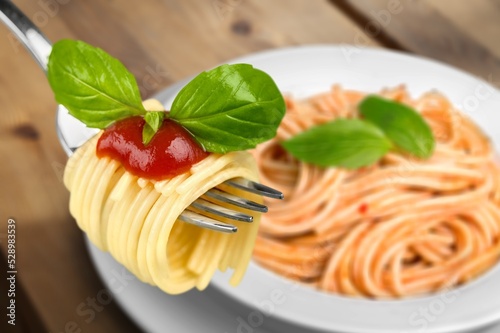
(153,120)
(231,107)
(348,143)
(355,143)
(95,87)
(402,124)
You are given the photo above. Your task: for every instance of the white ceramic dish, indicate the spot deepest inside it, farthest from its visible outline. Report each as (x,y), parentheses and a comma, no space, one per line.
(302,71)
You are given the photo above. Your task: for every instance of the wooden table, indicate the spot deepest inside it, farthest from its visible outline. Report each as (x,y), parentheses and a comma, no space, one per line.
(162,42)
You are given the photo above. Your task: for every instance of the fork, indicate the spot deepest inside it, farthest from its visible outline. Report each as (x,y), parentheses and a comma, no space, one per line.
(72,134)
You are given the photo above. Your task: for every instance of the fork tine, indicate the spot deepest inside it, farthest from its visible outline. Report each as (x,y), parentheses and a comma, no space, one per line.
(206,206)
(253,187)
(206,222)
(235,200)
(209,207)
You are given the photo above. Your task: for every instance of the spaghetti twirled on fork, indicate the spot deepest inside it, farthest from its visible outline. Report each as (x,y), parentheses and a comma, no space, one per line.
(138,220)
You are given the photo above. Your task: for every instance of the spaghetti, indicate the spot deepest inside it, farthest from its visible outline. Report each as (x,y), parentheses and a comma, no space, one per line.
(398,228)
(135,219)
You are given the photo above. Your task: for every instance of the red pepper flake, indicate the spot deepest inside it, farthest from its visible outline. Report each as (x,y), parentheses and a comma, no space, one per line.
(363,208)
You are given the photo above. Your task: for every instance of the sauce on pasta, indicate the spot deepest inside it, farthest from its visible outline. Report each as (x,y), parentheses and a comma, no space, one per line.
(171,152)
(399,228)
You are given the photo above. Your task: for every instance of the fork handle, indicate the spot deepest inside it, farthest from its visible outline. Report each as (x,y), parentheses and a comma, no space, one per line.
(26,32)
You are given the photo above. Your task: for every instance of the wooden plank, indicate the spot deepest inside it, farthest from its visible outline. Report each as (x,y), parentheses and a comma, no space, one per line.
(418,27)
(161,42)
(478,19)
(26,318)
(171,37)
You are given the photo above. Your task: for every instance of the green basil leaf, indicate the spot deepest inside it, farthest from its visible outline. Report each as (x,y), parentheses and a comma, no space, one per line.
(231,107)
(95,87)
(406,128)
(348,143)
(153,119)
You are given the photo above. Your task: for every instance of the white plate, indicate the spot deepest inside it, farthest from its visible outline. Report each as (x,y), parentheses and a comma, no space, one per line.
(302,71)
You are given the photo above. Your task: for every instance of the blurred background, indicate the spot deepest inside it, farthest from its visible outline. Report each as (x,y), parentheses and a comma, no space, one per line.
(161,42)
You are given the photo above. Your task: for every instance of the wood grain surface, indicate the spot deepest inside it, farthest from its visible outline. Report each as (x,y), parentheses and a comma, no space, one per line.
(162,42)
(430,28)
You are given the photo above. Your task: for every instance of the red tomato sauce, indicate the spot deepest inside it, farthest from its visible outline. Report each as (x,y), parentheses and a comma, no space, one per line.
(172,150)
(363,208)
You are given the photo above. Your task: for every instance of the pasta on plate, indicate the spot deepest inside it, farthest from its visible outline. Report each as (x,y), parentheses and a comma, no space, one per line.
(401,227)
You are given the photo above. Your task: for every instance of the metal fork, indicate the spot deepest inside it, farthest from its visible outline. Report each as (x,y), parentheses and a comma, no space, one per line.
(73,133)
